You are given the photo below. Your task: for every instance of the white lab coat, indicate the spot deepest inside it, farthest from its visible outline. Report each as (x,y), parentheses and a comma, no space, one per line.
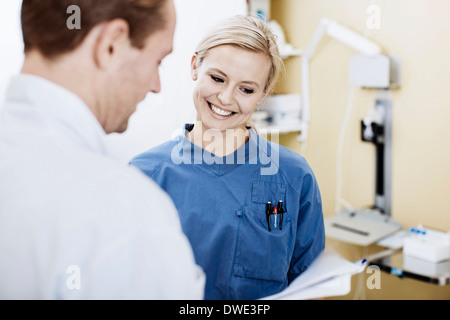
(74,222)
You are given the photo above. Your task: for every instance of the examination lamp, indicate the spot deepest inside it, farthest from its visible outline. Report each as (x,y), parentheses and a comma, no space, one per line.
(344,35)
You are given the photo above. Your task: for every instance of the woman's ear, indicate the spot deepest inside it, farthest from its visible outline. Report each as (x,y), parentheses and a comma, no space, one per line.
(194,67)
(266,93)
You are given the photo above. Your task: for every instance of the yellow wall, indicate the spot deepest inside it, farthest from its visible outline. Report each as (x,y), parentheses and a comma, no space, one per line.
(417,32)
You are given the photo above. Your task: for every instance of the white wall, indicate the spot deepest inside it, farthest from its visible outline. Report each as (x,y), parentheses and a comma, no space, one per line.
(159,116)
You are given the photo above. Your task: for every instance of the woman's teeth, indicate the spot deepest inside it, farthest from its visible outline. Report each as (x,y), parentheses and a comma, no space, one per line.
(220,112)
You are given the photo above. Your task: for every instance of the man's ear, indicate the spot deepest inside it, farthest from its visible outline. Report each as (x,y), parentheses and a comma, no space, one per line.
(194,67)
(113,41)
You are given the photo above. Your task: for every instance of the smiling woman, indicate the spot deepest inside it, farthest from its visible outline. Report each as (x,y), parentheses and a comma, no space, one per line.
(235,233)
(235,68)
(230,83)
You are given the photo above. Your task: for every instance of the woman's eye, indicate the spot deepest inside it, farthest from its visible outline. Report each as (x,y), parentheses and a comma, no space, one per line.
(247,91)
(216,79)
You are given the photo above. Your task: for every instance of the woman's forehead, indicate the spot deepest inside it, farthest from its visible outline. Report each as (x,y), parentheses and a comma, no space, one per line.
(236,61)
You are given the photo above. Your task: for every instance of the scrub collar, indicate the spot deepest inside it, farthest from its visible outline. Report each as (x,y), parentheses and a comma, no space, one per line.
(190,153)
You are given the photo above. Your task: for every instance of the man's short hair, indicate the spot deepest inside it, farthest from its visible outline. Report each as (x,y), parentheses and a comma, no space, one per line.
(44,22)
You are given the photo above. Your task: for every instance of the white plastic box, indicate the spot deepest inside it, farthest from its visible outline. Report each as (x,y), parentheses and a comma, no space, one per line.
(427,244)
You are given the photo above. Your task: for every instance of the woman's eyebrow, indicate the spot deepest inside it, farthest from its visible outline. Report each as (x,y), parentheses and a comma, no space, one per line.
(218,71)
(223,74)
(252,83)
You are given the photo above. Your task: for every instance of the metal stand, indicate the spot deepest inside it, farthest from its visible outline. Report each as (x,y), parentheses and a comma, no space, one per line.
(382,139)
(362,226)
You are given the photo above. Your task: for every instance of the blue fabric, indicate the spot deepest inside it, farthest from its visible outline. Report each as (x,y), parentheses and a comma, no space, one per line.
(222,205)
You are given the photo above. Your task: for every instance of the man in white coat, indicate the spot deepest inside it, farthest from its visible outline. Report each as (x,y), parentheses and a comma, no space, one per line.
(74,222)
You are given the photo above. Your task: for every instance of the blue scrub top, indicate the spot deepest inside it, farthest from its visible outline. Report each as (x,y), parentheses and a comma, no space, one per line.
(222,207)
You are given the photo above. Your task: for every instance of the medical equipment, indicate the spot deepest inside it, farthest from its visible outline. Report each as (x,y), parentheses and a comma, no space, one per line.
(338,32)
(367,226)
(369,70)
(427,244)
(399,264)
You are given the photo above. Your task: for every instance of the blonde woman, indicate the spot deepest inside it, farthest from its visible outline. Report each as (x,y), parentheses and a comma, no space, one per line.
(251,209)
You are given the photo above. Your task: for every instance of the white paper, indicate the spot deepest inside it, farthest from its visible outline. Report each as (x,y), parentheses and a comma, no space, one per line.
(329,275)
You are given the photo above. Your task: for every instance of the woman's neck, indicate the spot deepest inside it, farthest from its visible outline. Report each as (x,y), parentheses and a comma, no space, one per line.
(219,143)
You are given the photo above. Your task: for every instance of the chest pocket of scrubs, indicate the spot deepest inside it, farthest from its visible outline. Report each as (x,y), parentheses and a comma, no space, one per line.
(260,253)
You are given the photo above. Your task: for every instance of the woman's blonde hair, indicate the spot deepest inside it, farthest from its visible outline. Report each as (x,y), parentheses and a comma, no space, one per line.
(249,33)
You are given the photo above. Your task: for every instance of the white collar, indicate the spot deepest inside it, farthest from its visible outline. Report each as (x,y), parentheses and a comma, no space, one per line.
(64,111)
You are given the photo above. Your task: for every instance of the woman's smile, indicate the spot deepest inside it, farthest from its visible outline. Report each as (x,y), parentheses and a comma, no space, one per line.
(220,112)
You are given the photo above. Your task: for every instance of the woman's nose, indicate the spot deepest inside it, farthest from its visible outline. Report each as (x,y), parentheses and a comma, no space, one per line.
(226,96)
